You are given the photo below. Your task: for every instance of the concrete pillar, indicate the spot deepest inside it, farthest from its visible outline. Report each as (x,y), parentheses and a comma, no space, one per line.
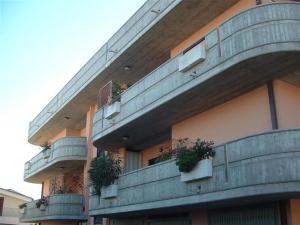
(91,153)
(293,212)
(199,218)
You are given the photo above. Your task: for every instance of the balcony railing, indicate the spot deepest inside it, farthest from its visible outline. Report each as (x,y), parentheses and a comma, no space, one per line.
(64,149)
(264,164)
(60,207)
(251,34)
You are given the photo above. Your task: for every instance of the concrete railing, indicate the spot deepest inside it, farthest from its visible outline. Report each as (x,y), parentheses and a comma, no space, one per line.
(60,207)
(257,31)
(265,164)
(135,27)
(66,148)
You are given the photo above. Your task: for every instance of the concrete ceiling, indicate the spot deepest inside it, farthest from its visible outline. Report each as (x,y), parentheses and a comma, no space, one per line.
(146,54)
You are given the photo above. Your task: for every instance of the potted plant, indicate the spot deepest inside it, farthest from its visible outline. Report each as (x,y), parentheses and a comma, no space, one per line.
(103,172)
(22,208)
(46,151)
(195,161)
(42,203)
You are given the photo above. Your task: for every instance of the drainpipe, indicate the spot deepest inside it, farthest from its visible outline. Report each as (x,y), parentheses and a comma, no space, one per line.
(272,104)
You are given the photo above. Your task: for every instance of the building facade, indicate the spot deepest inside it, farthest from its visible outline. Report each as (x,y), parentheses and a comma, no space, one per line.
(226,71)
(10,201)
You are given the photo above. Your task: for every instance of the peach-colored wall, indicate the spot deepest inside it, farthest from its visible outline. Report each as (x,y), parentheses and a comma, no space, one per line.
(287,100)
(242,116)
(91,152)
(199,218)
(66,133)
(46,187)
(293,213)
(241,5)
(153,152)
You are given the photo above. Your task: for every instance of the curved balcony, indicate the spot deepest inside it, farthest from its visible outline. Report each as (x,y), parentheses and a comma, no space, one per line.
(60,207)
(256,167)
(67,153)
(256,45)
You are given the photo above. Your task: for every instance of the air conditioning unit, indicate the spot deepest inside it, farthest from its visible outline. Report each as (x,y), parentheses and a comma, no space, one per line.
(192,57)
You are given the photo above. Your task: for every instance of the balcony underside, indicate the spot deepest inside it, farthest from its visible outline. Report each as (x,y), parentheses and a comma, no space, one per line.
(258,168)
(56,168)
(143,43)
(62,207)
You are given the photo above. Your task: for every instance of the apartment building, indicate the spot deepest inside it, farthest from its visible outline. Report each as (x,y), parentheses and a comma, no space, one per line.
(10,202)
(226,71)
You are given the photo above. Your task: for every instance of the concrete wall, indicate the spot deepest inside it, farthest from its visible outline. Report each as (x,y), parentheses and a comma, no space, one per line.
(60,207)
(242,116)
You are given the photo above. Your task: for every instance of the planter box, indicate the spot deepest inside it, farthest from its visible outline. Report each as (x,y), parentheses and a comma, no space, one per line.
(202,170)
(22,211)
(112,110)
(192,57)
(110,191)
(42,207)
(46,154)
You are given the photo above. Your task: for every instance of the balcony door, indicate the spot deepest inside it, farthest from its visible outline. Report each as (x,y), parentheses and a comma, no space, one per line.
(133,161)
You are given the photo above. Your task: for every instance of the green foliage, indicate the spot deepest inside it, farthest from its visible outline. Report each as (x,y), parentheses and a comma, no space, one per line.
(24,205)
(104,170)
(116,90)
(45,147)
(43,200)
(186,160)
(188,157)
(164,156)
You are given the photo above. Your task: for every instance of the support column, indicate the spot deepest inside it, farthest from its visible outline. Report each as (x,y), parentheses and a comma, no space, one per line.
(199,218)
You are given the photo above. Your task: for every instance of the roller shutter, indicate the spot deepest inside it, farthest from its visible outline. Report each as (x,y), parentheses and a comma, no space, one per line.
(262,215)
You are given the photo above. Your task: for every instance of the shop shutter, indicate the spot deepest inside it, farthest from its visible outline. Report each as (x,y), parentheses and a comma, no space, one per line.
(262,215)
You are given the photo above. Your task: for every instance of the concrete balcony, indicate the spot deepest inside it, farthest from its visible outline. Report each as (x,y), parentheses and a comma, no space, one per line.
(257,167)
(128,46)
(252,47)
(60,207)
(66,154)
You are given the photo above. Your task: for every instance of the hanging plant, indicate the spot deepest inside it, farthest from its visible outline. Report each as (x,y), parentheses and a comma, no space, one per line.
(104,170)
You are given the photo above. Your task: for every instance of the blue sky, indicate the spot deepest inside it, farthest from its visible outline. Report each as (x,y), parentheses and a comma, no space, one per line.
(42,45)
